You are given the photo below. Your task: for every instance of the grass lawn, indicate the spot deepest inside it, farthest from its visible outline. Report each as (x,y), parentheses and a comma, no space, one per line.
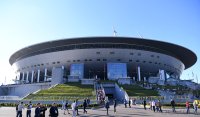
(68,91)
(135,90)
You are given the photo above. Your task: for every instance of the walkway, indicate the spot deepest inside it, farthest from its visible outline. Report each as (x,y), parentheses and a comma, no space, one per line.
(136,111)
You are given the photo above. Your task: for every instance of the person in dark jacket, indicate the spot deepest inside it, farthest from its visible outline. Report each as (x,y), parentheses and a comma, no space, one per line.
(42,110)
(107,106)
(144,103)
(53,110)
(84,106)
(173,105)
(37,110)
(115,105)
(129,103)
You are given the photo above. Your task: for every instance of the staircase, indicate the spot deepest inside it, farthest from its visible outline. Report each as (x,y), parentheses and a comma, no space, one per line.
(100,92)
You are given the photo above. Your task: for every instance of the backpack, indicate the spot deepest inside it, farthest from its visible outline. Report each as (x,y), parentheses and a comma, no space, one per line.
(17,107)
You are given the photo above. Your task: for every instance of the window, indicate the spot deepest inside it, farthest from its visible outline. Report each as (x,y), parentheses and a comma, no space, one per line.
(90,59)
(150,62)
(144,61)
(137,61)
(98,53)
(152,55)
(104,59)
(156,63)
(131,53)
(58,62)
(68,61)
(139,54)
(86,60)
(98,59)
(118,59)
(74,60)
(53,62)
(42,64)
(130,60)
(158,56)
(78,60)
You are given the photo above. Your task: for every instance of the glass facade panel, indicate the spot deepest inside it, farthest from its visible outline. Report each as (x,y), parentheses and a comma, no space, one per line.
(77,70)
(116,70)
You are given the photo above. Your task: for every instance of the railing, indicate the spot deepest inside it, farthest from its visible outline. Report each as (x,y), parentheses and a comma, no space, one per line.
(10,98)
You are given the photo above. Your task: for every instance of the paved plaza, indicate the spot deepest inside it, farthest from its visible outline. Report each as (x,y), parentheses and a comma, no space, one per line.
(135,111)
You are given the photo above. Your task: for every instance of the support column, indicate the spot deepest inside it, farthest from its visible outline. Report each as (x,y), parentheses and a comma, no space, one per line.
(38,77)
(27,73)
(32,76)
(18,76)
(45,75)
(23,77)
(139,76)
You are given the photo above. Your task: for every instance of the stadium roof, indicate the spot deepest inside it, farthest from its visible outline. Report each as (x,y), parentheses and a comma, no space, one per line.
(185,55)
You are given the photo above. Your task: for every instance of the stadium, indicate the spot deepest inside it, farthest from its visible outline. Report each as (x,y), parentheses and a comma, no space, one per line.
(85,59)
(102,57)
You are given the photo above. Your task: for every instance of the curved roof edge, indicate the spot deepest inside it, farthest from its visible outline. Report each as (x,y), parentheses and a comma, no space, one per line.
(188,57)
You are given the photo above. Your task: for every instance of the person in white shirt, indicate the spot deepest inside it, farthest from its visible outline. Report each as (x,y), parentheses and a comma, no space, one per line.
(19,110)
(63,106)
(73,105)
(153,104)
(28,113)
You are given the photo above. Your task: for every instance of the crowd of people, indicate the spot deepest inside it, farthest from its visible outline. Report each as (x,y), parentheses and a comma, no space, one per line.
(155,106)
(100,95)
(40,109)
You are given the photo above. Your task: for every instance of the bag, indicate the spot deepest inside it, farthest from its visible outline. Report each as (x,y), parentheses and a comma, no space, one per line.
(17,107)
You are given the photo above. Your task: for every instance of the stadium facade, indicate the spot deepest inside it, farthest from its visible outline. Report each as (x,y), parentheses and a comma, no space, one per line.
(100,57)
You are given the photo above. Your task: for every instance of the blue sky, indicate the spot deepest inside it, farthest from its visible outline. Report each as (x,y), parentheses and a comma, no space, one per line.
(23,23)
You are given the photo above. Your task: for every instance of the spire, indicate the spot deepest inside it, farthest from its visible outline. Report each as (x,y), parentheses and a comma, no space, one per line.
(114,32)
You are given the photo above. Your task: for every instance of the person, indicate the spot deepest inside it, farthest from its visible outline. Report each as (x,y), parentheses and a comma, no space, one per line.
(63,106)
(28,112)
(129,103)
(88,101)
(195,105)
(173,105)
(19,109)
(107,106)
(53,110)
(77,107)
(84,106)
(66,107)
(37,110)
(115,105)
(125,103)
(150,106)
(153,104)
(43,108)
(187,104)
(134,101)
(144,103)
(73,106)
(159,106)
